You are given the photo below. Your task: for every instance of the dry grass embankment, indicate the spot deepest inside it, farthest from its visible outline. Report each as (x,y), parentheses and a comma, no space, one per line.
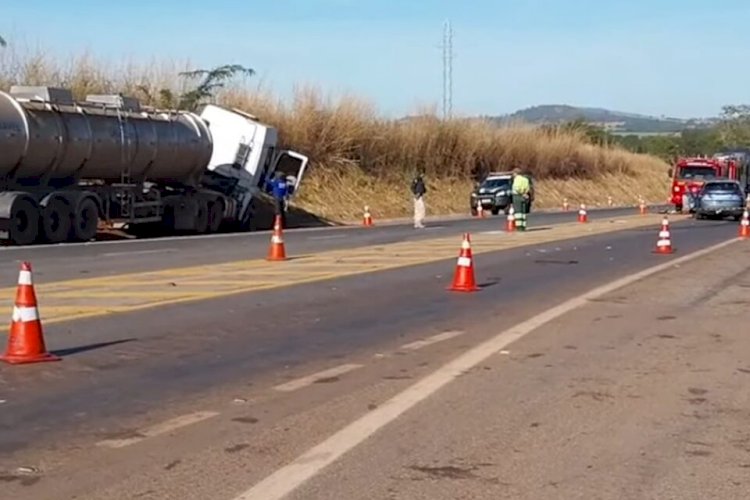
(361,158)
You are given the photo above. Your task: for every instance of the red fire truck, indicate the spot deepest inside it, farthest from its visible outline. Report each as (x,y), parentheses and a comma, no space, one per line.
(689,174)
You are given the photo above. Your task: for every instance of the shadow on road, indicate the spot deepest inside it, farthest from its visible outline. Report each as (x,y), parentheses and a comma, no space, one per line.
(90,347)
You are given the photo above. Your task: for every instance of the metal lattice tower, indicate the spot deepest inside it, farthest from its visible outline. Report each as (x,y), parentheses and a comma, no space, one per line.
(447,47)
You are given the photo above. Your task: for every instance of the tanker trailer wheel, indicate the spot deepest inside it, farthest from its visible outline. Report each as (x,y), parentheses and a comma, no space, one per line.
(24,222)
(56,220)
(85,220)
(201,217)
(215,216)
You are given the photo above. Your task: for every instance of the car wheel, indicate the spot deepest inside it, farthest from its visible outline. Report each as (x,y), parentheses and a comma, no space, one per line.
(495,210)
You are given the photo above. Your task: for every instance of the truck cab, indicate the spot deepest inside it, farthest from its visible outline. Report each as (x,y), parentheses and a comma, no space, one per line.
(688,177)
(245,155)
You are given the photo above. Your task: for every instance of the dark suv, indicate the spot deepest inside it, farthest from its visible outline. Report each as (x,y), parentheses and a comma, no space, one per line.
(493,193)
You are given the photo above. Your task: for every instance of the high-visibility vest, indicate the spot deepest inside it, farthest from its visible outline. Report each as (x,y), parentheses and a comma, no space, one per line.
(520,184)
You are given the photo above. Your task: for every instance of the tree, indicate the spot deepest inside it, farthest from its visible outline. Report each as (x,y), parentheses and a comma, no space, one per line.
(734,128)
(3,43)
(210,82)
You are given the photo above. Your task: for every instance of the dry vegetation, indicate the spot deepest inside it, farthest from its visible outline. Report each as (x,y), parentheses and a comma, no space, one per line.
(360,158)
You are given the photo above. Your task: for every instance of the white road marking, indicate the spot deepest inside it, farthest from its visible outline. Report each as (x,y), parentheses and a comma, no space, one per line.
(158,429)
(139,252)
(311,379)
(413,346)
(292,476)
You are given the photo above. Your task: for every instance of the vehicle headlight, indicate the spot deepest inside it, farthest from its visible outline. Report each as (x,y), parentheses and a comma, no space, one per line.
(500,193)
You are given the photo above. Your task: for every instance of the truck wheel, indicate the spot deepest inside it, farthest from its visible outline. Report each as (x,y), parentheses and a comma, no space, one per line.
(215,216)
(56,220)
(85,221)
(24,222)
(201,218)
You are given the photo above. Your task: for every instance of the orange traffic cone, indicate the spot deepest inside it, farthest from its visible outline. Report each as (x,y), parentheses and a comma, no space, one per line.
(367,221)
(643,207)
(26,340)
(745,226)
(582,215)
(277,251)
(664,244)
(565,205)
(463,279)
(609,201)
(510,221)
(480,209)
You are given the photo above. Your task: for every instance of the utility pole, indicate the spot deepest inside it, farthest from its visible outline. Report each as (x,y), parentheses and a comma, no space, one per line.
(447,70)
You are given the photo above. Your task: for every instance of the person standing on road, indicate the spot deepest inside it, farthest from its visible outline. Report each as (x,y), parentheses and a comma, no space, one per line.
(279,190)
(521,193)
(418,189)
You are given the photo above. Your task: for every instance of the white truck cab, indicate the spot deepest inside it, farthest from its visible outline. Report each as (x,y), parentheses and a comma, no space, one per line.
(246,150)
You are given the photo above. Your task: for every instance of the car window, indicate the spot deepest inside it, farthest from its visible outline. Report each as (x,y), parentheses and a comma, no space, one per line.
(496,183)
(721,186)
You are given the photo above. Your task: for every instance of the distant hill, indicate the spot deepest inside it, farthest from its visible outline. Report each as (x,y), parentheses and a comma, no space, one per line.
(615,121)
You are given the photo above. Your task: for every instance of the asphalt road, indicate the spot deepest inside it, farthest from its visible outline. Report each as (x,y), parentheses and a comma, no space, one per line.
(70,261)
(101,423)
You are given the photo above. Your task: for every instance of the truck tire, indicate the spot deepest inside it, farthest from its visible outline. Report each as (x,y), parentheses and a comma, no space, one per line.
(23,226)
(215,216)
(56,220)
(85,220)
(201,217)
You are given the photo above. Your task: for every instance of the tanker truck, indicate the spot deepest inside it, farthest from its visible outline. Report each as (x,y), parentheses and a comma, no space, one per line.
(68,167)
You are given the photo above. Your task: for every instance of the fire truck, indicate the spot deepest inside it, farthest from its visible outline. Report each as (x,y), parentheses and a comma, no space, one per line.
(689,174)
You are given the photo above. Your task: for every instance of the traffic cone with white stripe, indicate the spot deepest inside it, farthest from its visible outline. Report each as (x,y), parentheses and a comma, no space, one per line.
(745,225)
(463,279)
(582,215)
(566,206)
(367,221)
(643,207)
(664,244)
(277,251)
(26,340)
(480,209)
(510,221)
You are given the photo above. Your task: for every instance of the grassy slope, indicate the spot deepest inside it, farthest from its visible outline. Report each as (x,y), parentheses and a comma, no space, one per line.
(359,158)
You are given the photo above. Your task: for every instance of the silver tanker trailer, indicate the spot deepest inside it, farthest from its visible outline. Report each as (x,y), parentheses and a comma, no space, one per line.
(66,166)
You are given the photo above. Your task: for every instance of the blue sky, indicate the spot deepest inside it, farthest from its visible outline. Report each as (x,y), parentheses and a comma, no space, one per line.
(679,58)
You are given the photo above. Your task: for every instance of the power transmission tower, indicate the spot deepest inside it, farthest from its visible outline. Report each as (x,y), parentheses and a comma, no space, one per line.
(447,47)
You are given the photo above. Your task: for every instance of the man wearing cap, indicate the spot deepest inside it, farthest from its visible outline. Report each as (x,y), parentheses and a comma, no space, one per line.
(520,190)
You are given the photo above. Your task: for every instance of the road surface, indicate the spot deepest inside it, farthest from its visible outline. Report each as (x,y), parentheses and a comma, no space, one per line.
(107,258)
(384,385)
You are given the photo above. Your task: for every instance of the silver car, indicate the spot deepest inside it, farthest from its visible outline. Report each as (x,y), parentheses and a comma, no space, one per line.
(720,198)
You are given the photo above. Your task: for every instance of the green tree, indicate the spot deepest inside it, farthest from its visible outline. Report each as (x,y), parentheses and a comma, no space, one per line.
(209,81)
(700,141)
(734,128)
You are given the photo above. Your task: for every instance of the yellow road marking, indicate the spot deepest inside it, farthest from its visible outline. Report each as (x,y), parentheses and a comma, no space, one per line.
(137,291)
